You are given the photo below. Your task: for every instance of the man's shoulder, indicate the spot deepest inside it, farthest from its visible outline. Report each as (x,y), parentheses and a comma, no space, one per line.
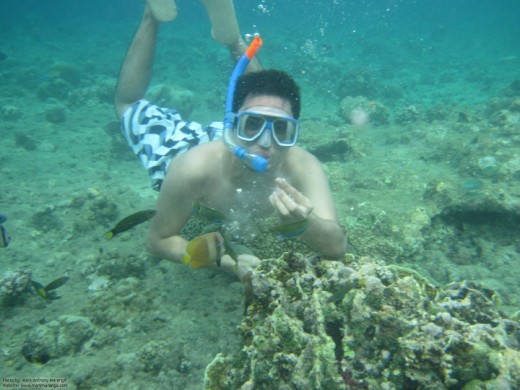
(302,165)
(195,169)
(207,152)
(202,160)
(298,155)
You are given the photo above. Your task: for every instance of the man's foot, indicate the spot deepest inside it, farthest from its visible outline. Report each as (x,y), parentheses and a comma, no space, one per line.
(224,24)
(162,10)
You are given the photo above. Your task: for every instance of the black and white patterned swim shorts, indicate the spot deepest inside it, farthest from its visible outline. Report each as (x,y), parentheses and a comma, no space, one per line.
(157,135)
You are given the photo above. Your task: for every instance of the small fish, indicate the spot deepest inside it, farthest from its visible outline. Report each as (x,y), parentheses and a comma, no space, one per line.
(234,249)
(44,292)
(290,230)
(339,295)
(129,222)
(207,214)
(202,249)
(4,237)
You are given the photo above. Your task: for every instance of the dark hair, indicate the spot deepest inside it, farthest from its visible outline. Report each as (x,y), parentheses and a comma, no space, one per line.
(268,82)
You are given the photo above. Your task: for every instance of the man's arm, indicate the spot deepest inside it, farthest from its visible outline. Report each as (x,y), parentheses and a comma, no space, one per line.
(185,184)
(173,211)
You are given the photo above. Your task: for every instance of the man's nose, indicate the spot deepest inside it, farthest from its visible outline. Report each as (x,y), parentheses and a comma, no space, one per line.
(265,140)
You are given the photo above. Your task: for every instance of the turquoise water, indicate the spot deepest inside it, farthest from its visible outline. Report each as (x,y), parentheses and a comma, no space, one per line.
(437,80)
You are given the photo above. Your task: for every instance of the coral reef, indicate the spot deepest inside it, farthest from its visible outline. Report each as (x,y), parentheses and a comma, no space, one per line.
(55,114)
(181,99)
(13,285)
(65,71)
(437,112)
(47,219)
(55,89)
(10,112)
(360,111)
(118,304)
(407,115)
(63,336)
(96,208)
(361,324)
(155,356)
(24,141)
(359,82)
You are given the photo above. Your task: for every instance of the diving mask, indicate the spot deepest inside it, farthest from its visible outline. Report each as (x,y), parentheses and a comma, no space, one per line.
(249,126)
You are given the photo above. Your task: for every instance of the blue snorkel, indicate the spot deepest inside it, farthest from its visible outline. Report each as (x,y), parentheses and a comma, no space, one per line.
(255,162)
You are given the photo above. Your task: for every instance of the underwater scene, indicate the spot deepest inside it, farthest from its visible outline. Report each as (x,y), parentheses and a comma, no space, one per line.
(412,108)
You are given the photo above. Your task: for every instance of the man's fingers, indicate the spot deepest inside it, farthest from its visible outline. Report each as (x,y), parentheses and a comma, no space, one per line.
(296,195)
(278,204)
(284,185)
(287,206)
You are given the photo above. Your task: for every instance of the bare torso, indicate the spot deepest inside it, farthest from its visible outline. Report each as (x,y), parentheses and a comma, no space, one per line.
(211,176)
(229,183)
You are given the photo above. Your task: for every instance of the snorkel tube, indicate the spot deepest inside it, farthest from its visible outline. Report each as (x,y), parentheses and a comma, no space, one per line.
(255,162)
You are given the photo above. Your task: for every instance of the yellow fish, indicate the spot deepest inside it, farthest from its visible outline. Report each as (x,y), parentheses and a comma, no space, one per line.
(204,250)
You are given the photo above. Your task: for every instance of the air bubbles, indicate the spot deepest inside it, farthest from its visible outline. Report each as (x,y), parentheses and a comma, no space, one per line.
(249,37)
(263,8)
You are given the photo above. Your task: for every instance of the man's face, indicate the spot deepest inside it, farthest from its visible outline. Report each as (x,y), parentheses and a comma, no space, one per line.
(270,107)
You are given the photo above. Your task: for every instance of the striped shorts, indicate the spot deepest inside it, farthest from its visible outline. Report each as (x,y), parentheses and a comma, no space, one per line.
(156,135)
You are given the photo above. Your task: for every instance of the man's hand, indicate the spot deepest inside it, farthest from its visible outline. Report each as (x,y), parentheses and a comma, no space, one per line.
(245,266)
(291,204)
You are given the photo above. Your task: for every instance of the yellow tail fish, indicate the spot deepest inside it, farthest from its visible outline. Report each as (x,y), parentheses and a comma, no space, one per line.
(204,250)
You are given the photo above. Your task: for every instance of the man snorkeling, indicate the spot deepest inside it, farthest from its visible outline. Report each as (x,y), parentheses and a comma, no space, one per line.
(241,169)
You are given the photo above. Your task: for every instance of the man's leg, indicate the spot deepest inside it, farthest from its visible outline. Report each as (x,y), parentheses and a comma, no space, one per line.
(225,30)
(136,70)
(224,24)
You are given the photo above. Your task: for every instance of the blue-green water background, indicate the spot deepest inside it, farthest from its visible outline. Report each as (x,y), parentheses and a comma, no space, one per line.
(410,43)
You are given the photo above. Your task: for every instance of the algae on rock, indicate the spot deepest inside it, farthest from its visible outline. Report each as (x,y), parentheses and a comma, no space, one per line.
(316,324)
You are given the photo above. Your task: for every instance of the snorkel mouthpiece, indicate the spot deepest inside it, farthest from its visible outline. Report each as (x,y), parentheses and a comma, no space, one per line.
(255,162)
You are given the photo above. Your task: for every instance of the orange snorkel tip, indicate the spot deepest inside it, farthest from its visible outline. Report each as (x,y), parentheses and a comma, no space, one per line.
(255,45)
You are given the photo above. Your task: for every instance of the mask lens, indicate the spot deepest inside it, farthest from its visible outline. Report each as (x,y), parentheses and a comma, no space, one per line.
(284,131)
(251,126)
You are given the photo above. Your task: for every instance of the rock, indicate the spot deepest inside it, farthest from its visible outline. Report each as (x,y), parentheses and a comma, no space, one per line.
(65,71)
(157,356)
(10,112)
(362,324)
(407,115)
(55,114)
(181,99)
(58,338)
(14,285)
(56,89)
(360,111)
